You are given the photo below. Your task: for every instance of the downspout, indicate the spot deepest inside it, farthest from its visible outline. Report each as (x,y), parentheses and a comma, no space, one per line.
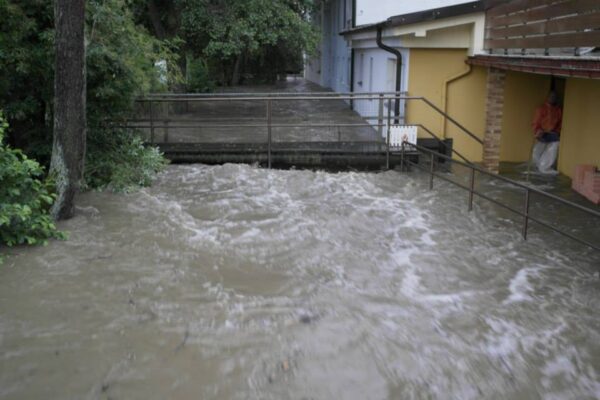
(398,55)
(447,83)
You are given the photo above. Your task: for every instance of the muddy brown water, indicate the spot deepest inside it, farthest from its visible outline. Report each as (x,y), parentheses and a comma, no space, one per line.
(234,282)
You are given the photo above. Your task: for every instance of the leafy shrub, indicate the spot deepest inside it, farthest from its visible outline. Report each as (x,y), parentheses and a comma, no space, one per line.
(25,199)
(122,58)
(120,161)
(199,77)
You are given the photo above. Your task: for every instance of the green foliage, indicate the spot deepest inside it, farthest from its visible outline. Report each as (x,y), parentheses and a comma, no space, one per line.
(25,199)
(26,73)
(260,33)
(122,59)
(121,162)
(198,76)
(123,62)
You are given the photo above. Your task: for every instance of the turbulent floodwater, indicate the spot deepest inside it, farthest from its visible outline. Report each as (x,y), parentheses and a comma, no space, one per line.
(234,282)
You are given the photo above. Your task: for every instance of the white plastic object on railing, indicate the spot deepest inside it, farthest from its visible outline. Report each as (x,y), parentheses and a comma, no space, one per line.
(402,133)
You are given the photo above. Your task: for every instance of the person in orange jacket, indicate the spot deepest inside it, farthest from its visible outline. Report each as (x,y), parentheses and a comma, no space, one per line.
(547,124)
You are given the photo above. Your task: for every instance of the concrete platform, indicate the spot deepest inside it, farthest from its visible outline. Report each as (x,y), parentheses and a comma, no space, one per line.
(354,155)
(245,121)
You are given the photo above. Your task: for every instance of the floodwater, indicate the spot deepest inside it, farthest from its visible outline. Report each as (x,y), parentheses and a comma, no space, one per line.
(234,282)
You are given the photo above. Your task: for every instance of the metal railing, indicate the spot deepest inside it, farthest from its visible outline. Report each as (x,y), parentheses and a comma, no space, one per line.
(524,212)
(381,100)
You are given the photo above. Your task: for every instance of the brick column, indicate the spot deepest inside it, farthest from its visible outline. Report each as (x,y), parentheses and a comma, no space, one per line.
(493,122)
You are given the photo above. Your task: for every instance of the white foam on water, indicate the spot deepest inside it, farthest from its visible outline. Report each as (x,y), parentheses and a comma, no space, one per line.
(236,268)
(520,286)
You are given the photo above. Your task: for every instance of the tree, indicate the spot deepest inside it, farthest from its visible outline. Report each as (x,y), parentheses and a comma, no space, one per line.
(251,36)
(68,150)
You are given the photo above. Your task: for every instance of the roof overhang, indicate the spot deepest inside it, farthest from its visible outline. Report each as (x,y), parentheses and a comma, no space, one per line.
(421,16)
(557,66)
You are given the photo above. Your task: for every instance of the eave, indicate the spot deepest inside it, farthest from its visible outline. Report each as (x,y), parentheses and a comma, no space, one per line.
(544,65)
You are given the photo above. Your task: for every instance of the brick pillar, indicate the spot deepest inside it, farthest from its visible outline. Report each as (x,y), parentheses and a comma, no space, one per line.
(493,122)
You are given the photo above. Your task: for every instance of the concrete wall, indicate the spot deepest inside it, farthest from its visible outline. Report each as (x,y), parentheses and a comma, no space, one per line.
(370,11)
(454,87)
(580,138)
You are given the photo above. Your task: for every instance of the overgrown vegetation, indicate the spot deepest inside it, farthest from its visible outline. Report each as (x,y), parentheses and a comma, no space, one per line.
(122,62)
(25,199)
(133,47)
(121,65)
(236,41)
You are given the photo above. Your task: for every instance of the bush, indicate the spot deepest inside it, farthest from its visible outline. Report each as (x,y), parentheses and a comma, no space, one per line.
(118,160)
(25,199)
(198,76)
(122,60)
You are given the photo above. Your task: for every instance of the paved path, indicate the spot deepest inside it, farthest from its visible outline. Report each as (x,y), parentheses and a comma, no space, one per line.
(211,122)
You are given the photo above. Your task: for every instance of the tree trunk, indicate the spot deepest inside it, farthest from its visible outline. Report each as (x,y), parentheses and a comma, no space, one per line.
(155,20)
(68,151)
(235,78)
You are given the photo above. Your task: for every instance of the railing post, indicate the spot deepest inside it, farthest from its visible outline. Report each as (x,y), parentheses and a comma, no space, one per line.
(167,131)
(269,132)
(389,130)
(380,116)
(472,189)
(526,214)
(151,123)
(431,172)
(402,158)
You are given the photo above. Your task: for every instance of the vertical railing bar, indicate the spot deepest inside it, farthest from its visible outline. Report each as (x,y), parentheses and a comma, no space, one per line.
(402,158)
(151,123)
(526,213)
(380,115)
(472,189)
(269,132)
(389,128)
(431,170)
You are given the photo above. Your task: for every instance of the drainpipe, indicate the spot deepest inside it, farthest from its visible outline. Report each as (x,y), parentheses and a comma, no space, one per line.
(398,55)
(445,87)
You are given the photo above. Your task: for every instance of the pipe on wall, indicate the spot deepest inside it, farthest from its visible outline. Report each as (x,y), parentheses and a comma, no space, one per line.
(445,90)
(398,55)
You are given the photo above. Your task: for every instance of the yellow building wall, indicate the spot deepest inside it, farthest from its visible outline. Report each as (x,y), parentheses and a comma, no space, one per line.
(464,98)
(580,137)
(466,103)
(523,93)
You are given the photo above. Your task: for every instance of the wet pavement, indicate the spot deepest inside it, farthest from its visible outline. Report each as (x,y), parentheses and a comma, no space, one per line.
(245,121)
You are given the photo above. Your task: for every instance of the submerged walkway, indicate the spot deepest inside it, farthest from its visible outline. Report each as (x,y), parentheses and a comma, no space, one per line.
(219,121)
(285,125)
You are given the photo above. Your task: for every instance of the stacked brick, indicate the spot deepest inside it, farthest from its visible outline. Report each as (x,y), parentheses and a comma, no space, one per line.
(587,182)
(493,125)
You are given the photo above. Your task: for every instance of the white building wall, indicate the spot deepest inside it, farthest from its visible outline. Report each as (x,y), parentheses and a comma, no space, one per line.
(331,68)
(373,11)
(375,72)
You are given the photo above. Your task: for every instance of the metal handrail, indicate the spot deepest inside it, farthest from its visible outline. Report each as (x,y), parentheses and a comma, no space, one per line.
(528,191)
(152,96)
(302,96)
(269,97)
